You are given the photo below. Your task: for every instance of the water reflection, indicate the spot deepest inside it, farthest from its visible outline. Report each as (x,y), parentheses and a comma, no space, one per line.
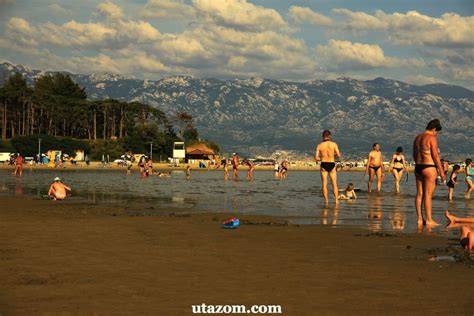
(398,217)
(293,198)
(329,215)
(375,214)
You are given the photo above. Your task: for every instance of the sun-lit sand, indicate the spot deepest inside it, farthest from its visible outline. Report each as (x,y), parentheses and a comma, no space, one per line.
(87,258)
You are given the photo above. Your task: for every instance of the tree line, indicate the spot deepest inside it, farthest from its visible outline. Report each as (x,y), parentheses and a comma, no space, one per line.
(56,106)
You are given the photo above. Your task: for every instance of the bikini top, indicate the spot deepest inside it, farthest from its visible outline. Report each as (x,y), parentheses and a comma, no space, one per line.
(396,160)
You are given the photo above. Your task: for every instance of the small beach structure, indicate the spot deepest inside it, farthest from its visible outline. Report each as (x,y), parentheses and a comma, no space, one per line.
(198,152)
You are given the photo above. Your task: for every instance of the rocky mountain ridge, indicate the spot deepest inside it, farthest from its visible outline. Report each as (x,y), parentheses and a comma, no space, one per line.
(259,116)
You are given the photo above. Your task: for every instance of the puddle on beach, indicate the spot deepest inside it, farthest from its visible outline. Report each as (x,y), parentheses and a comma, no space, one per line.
(297,198)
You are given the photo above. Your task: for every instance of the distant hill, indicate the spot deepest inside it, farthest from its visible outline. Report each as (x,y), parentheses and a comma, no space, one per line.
(259,116)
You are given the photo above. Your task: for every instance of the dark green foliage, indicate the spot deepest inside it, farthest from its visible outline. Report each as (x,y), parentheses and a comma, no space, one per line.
(58,110)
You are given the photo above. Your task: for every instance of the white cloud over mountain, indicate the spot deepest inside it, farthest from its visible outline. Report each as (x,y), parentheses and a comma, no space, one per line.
(237,38)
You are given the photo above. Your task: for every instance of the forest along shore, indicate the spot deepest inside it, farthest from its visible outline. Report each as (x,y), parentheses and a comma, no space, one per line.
(60,256)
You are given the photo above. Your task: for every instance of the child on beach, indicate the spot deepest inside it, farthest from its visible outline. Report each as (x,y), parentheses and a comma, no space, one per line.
(188,172)
(453,181)
(350,193)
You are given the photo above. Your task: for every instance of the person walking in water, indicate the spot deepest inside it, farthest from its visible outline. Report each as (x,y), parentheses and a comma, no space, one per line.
(326,152)
(453,181)
(284,169)
(251,168)
(426,157)
(18,165)
(375,167)
(235,165)
(469,178)
(397,166)
(225,166)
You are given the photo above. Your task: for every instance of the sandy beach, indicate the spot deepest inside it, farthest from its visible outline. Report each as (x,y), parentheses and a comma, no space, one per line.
(86,258)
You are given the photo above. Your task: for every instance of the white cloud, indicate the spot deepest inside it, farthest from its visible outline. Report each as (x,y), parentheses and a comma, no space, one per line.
(414,28)
(303,15)
(111,10)
(239,14)
(168,9)
(345,55)
(56,8)
(20,31)
(455,71)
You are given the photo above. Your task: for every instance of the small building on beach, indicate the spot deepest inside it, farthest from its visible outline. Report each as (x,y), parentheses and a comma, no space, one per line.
(198,152)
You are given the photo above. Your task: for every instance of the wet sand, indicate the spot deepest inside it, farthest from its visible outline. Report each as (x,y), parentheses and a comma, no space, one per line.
(84,258)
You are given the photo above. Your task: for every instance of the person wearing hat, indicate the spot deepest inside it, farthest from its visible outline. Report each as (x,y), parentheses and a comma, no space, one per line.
(426,157)
(58,190)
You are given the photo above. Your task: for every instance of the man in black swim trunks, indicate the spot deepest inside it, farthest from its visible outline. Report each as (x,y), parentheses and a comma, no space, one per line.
(326,152)
(375,167)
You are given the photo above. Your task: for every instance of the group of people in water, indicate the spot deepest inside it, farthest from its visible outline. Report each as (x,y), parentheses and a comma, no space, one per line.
(427,166)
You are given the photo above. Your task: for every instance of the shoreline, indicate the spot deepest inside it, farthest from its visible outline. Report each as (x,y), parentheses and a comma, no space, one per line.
(68,256)
(96,166)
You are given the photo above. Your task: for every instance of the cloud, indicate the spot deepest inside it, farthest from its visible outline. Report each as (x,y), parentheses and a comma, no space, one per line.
(168,9)
(345,55)
(303,15)
(20,31)
(413,28)
(111,10)
(240,15)
(56,8)
(455,71)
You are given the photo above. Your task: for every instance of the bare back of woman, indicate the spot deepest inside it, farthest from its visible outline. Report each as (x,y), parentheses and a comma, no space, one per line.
(425,155)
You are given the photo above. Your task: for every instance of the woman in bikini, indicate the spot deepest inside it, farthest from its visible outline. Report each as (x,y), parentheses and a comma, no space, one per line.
(426,157)
(397,166)
(469,178)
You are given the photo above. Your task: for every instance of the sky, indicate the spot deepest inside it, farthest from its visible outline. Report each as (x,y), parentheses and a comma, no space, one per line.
(418,42)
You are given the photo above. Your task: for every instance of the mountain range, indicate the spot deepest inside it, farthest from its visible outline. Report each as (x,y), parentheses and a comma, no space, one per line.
(259,116)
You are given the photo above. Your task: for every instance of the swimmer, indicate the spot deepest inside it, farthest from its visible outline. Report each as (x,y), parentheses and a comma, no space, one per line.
(276,170)
(225,164)
(426,157)
(375,167)
(458,220)
(453,181)
(188,172)
(235,165)
(283,169)
(251,168)
(397,166)
(350,193)
(18,165)
(326,152)
(469,178)
(58,190)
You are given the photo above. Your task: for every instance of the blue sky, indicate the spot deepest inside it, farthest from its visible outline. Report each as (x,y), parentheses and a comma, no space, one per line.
(418,42)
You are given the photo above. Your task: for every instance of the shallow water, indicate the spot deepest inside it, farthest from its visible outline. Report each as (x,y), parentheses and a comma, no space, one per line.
(297,198)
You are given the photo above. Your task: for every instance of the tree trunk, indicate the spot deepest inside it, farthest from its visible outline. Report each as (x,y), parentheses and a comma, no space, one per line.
(121,122)
(95,125)
(4,121)
(105,122)
(113,125)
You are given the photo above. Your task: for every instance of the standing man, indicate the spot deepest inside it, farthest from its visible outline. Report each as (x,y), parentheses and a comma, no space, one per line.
(235,165)
(426,157)
(18,165)
(326,152)
(375,167)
